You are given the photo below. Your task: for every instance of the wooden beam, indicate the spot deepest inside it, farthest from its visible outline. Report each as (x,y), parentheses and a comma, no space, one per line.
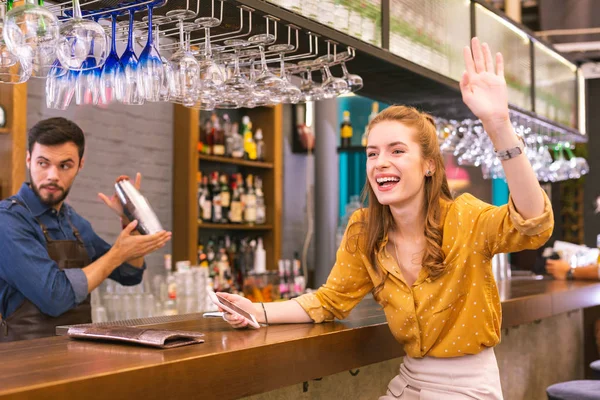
(13,138)
(185,166)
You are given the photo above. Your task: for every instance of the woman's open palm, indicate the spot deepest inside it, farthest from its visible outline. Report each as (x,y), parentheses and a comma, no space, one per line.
(483,86)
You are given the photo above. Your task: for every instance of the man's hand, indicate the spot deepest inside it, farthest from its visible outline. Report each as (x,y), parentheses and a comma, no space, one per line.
(114,203)
(558,268)
(129,247)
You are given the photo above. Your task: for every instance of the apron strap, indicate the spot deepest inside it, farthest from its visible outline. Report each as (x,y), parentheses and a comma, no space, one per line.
(44,227)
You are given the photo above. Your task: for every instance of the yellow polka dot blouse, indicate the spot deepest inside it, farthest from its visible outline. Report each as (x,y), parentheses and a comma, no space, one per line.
(457,313)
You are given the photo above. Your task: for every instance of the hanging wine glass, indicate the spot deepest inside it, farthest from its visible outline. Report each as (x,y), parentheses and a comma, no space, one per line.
(12,69)
(331,85)
(310,90)
(112,77)
(76,38)
(288,91)
(211,75)
(133,87)
(150,64)
(30,31)
(185,68)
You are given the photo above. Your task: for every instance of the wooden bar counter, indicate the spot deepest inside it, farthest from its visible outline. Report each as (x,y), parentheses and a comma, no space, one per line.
(233,364)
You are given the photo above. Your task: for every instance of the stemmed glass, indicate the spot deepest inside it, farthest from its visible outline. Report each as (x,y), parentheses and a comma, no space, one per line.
(331,85)
(355,82)
(289,92)
(266,81)
(310,90)
(211,75)
(112,78)
(185,68)
(237,85)
(133,85)
(12,68)
(82,39)
(150,64)
(30,31)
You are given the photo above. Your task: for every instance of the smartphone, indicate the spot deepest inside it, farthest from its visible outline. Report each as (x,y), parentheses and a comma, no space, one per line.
(231,308)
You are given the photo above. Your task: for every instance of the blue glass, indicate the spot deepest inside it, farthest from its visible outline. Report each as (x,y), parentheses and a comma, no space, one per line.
(133,87)
(87,84)
(151,66)
(60,88)
(113,74)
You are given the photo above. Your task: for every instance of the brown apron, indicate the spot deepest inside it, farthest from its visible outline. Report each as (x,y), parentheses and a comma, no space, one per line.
(28,322)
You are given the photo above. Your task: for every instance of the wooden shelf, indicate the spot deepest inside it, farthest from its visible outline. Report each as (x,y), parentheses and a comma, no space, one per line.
(235,227)
(236,161)
(187,160)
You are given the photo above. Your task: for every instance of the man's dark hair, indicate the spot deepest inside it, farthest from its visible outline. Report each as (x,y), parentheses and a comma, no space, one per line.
(55,131)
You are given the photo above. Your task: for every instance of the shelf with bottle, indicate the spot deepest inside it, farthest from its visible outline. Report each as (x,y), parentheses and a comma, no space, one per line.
(234,227)
(235,161)
(198,157)
(232,200)
(223,140)
(347,145)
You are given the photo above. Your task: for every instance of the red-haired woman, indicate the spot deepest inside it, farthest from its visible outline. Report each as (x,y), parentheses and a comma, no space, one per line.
(425,256)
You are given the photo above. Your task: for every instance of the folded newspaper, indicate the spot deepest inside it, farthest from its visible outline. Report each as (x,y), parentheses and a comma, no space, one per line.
(160,338)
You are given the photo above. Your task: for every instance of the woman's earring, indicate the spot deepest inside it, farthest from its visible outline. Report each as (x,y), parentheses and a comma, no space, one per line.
(428,173)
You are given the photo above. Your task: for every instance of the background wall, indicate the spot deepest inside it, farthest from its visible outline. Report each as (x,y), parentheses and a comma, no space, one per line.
(120,140)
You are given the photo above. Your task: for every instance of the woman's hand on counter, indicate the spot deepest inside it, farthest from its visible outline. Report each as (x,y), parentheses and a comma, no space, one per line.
(243,303)
(129,247)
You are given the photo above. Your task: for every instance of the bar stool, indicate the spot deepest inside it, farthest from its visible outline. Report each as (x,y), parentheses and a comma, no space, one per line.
(574,390)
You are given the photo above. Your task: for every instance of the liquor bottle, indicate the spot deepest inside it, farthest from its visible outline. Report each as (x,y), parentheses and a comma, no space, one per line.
(237,150)
(346,130)
(228,133)
(374,111)
(260,145)
(261,212)
(225,198)
(219,137)
(240,185)
(250,202)
(217,214)
(249,144)
(206,201)
(235,210)
(202,257)
(170,306)
(210,135)
(200,193)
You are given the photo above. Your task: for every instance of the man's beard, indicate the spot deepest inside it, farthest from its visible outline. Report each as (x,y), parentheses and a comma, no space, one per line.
(51,199)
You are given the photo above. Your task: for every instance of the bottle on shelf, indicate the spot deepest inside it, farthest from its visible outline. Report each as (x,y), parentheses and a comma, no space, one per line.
(225,198)
(237,149)
(374,112)
(260,145)
(170,306)
(228,135)
(205,201)
(261,213)
(249,143)
(346,131)
(236,207)
(210,136)
(218,148)
(260,258)
(250,202)
(217,213)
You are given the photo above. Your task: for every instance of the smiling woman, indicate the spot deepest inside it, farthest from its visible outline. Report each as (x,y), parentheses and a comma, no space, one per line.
(425,256)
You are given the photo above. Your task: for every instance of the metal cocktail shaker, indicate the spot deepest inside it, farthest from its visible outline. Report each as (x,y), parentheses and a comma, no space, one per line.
(136,207)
